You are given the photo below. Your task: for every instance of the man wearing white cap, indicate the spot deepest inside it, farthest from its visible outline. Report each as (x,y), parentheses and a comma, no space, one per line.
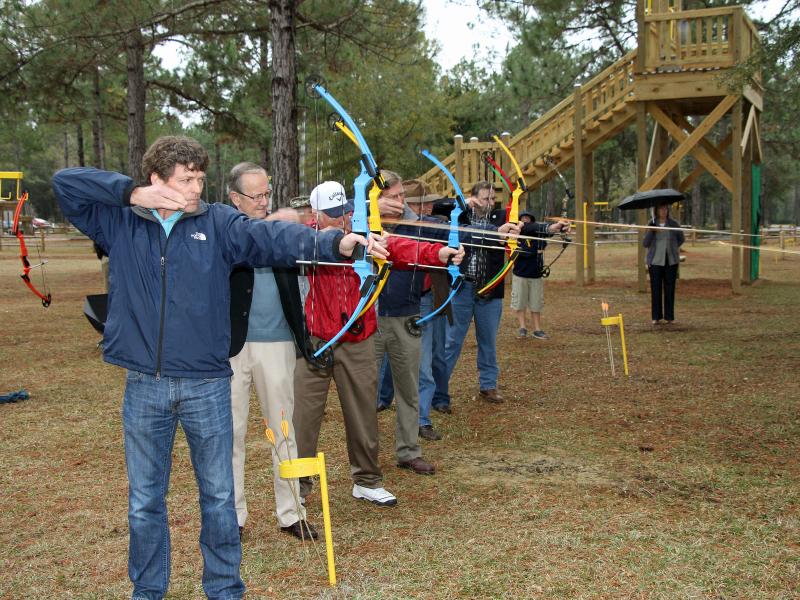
(332,297)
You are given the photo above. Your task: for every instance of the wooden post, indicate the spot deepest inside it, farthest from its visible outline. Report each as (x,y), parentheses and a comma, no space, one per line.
(472,161)
(41,238)
(641,176)
(641,38)
(579,182)
(458,141)
(736,200)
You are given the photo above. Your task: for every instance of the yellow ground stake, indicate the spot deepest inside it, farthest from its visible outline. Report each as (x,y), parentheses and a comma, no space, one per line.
(609,322)
(307,467)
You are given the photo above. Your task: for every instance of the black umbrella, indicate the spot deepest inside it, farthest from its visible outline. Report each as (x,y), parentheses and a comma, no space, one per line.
(95,307)
(650,199)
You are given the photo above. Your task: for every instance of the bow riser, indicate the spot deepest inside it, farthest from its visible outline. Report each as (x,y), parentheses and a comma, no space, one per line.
(362,262)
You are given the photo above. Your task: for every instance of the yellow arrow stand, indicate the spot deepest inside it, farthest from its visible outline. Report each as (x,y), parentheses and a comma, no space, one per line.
(610,321)
(307,467)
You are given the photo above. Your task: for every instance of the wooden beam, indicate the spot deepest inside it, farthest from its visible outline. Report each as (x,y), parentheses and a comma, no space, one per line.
(699,169)
(751,117)
(641,215)
(757,135)
(714,152)
(689,143)
(698,151)
(579,187)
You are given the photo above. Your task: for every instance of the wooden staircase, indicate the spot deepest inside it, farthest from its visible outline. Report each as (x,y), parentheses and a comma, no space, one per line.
(677,63)
(606,107)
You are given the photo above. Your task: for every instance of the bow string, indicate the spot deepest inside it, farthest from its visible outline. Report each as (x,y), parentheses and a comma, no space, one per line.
(363,262)
(453,240)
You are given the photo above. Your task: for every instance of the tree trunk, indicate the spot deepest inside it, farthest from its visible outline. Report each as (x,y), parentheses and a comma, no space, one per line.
(66,147)
(220,176)
(134,52)
(97,125)
(81,155)
(697,211)
(285,152)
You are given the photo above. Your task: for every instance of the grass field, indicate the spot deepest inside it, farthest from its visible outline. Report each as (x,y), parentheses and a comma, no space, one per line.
(680,481)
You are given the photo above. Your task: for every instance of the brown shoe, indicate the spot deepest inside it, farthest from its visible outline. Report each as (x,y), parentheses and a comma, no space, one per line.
(419,465)
(492,396)
(427,432)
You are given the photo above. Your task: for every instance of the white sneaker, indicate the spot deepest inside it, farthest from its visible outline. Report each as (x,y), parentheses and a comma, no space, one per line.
(378,496)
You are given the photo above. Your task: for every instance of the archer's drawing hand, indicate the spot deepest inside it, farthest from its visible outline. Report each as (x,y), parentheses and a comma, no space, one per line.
(158,196)
(511,228)
(562,227)
(390,207)
(288,215)
(376,245)
(446,253)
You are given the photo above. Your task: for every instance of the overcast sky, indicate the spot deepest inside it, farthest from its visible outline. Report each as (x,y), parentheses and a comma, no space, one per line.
(463,31)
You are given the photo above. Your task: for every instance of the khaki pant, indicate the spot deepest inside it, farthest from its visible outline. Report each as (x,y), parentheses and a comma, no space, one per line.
(404,356)
(356,381)
(527,293)
(269,366)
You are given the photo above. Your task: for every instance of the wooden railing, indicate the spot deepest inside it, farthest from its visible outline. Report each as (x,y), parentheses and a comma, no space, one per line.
(698,39)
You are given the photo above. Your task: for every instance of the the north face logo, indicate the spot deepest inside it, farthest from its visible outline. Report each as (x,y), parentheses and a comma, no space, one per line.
(197,235)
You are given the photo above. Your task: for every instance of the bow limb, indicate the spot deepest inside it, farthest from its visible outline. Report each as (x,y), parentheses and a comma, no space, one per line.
(568,195)
(370,172)
(512,216)
(453,239)
(498,171)
(375,226)
(45,296)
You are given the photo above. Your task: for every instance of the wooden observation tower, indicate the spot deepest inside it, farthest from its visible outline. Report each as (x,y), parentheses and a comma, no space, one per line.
(676,72)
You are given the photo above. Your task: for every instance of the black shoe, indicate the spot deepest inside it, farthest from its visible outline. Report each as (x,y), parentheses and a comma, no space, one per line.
(444,409)
(301,530)
(427,432)
(382,407)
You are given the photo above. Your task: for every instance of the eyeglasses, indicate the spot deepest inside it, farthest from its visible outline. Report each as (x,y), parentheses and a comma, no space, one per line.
(257,197)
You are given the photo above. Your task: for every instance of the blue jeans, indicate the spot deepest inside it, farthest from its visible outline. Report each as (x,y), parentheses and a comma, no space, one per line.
(433,372)
(151,412)
(486,314)
(385,383)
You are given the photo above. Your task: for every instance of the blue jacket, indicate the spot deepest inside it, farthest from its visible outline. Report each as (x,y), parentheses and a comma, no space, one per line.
(169,297)
(530,261)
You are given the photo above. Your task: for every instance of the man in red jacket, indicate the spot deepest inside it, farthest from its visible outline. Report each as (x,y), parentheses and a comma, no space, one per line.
(333,295)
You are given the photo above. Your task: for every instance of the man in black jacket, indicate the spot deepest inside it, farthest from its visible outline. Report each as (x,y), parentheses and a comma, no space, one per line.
(264,344)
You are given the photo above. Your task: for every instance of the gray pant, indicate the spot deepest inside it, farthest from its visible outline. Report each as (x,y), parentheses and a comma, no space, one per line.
(404,355)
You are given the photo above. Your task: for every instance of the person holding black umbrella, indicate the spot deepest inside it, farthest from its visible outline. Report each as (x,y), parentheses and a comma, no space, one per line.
(663,242)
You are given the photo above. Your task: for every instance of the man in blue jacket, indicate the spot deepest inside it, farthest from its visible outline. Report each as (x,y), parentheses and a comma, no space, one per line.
(170,256)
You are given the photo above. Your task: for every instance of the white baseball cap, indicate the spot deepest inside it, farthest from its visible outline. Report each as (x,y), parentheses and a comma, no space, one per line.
(330,198)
